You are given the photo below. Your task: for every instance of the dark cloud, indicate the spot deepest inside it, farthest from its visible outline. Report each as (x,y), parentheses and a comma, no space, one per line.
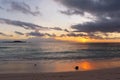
(21,7)
(66,30)
(97,7)
(72,34)
(94,35)
(19,33)
(57,28)
(76,35)
(24,25)
(102,26)
(100,35)
(3,34)
(50,35)
(38,34)
(91,35)
(107,14)
(1,7)
(62,35)
(27,25)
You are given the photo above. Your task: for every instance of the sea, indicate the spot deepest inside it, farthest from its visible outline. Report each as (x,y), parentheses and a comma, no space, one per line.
(57,56)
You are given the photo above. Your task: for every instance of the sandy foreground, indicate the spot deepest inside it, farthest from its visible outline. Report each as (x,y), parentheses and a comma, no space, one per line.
(105,74)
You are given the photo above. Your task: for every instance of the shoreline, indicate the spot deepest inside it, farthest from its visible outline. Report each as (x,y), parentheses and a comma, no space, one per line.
(103,74)
(92,70)
(56,66)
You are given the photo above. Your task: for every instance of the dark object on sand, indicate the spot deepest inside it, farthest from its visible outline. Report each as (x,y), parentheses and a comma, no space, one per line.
(35,64)
(76,67)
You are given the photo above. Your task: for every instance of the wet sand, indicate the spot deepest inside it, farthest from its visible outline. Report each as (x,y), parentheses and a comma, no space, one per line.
(56,66)
(104,74)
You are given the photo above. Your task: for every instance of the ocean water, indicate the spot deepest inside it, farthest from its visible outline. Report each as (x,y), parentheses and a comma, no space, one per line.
(58,51)
(57,56)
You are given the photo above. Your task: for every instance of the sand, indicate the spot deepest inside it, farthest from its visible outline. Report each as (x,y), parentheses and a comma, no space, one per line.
(104,74)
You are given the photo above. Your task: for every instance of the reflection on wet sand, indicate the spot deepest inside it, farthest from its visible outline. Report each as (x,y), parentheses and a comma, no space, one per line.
(70,66)
(58,66)
(86,65)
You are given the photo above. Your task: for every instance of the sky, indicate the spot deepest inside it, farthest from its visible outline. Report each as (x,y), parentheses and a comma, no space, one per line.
(66,20)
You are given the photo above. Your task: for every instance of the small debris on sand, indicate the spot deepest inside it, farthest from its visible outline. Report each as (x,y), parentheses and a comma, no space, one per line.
(76,67)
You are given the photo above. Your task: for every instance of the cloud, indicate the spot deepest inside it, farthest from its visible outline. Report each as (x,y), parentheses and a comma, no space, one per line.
(24,25)
(71,12)
(72,34)
(19,33)
(21,7)
(107,14)
(97,35)
(101,35)
(27,25)
(62,35)
(101,25)
(93,35)
(66,30)
(96,7)
(50,35)
(3,34)
(1,8)
(57,28)
(38,34)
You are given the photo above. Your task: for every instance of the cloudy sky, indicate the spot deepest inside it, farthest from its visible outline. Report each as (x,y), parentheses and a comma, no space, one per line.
(69,20)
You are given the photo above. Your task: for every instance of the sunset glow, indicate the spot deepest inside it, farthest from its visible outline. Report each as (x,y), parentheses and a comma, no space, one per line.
(84,40)
(73,39)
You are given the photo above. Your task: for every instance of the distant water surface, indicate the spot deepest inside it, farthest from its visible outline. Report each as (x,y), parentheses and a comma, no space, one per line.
(57,51)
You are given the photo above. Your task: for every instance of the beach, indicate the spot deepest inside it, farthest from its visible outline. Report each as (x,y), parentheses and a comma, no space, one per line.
(59,39)
(104,74)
